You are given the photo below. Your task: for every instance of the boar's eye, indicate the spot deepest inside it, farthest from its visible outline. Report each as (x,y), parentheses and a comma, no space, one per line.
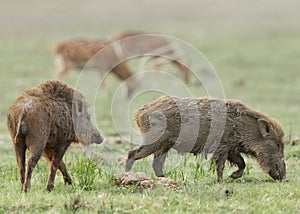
(79,106)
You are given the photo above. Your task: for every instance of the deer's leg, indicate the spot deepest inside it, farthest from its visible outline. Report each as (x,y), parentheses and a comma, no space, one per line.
(63,66)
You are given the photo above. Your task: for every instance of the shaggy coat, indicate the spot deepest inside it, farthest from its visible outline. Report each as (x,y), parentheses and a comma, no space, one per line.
(225,128)
(45,120)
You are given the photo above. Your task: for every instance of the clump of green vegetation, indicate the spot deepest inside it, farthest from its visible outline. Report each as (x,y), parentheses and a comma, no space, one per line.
(86,173)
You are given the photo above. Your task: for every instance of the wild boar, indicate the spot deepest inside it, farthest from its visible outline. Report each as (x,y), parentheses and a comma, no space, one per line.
(46,120)
(169,122)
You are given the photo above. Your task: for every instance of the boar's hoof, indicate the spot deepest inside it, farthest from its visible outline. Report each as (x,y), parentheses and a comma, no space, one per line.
(22,187)
(27,187)
(236,174)
(129,163)
(50,187)
(219,180)
(68,180)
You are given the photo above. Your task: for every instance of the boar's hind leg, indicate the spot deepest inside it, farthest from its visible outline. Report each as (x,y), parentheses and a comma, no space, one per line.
(20,150)
(220,158)
(36,151)
(157,164)
(237,159)
(138,153)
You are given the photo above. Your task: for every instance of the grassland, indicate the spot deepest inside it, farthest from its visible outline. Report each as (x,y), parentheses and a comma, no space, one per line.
(257,64)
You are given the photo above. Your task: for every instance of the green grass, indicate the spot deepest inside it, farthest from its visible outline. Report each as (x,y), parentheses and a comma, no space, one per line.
(197,190)
(260,68)
(270,84)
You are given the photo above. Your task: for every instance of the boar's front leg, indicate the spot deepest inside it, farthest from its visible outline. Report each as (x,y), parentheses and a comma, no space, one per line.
(62,167)
(157,164)
(236,158)
(138,153)
(55,164)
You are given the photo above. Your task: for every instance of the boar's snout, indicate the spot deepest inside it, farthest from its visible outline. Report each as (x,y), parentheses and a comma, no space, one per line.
(278,172)
(97,138)
(86,132)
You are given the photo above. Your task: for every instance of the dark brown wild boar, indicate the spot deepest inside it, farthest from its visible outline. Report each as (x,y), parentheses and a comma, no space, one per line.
(225,128)
(45,120)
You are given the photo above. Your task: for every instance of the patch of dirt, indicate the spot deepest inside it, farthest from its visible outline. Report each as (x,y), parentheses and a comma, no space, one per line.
(142,180)
(129,178)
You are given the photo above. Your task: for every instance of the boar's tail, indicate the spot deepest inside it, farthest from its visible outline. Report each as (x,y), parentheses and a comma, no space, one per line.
(21,129)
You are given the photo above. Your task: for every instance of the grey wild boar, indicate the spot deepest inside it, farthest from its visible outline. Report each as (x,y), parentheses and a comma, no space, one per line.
(224,128)
(46,120)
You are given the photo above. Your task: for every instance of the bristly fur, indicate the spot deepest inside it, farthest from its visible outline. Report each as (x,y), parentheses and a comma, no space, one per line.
(239,107)
(223,128)
(46,120)
(244,110)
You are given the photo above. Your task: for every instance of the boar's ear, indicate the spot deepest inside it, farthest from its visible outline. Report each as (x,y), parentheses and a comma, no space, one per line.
(157,118)
(264,127)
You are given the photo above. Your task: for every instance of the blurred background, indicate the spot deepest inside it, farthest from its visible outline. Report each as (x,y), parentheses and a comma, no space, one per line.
(253,45)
